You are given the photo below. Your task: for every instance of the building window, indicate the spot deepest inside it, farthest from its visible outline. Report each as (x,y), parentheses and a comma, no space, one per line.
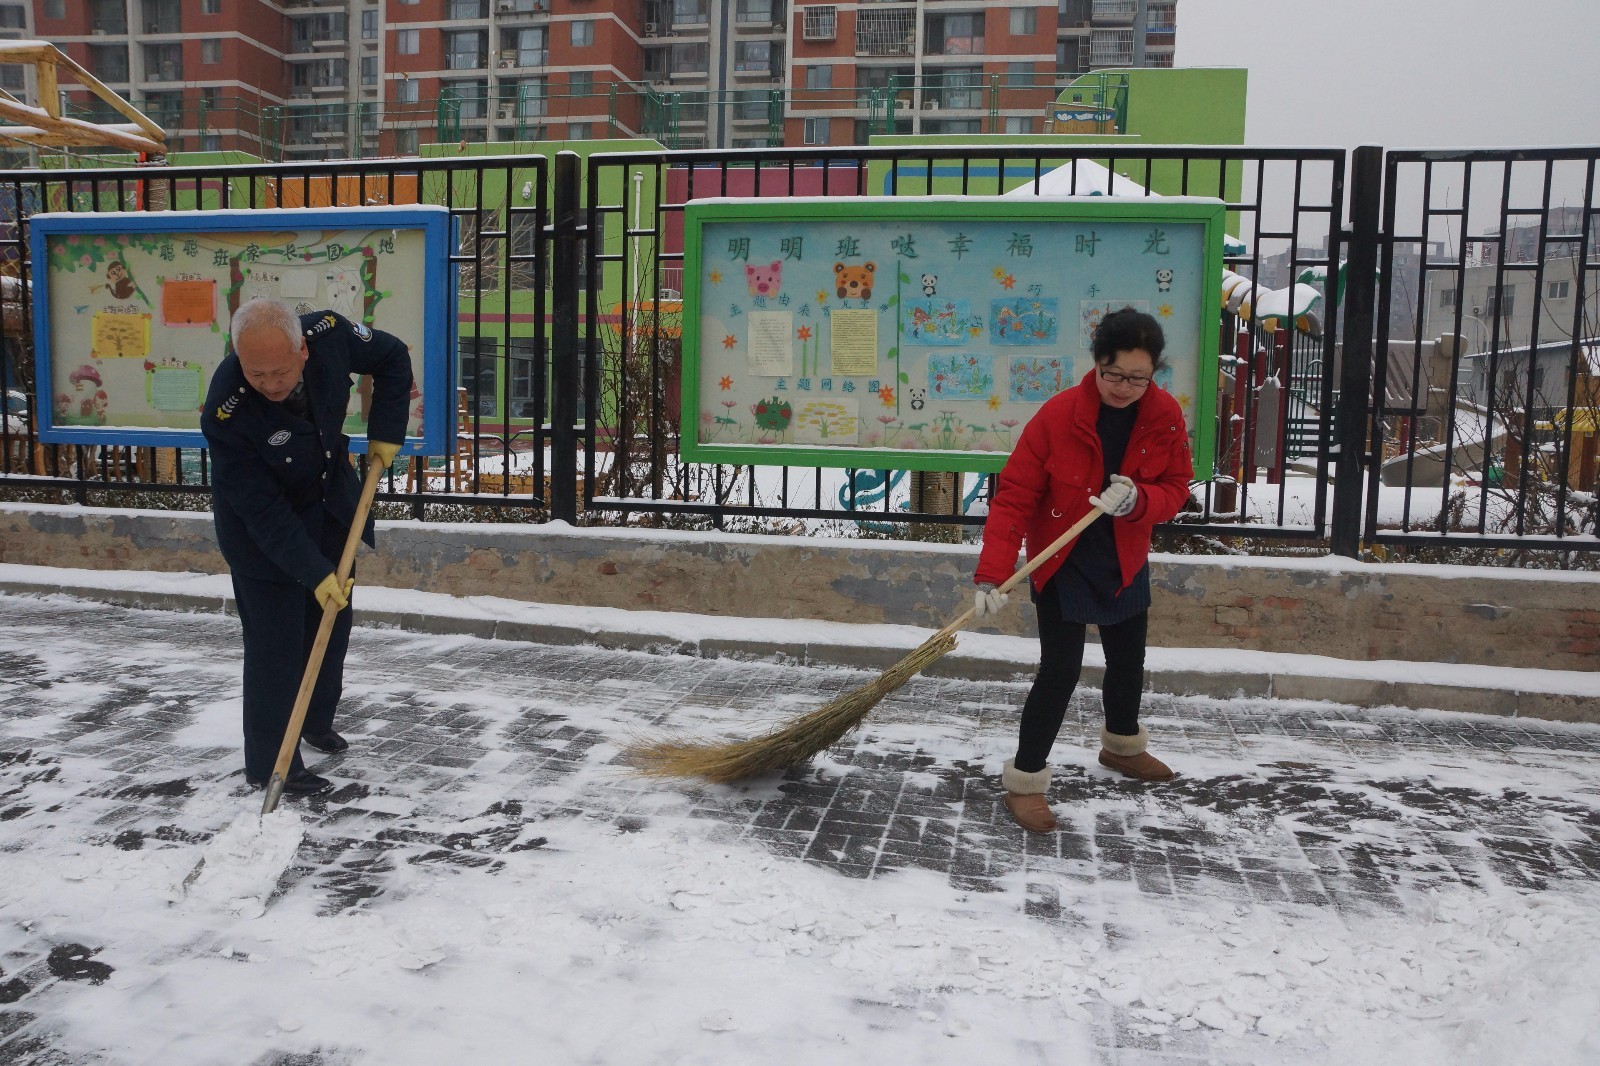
(405,92)
(1507,309)
(163,62)
(816,131)
(1558,290)
(753,57)
(468,9)
(690,12)
(1019,75)
(369,70)
(162,16)
(405,141)
(819,77)
(582,33)
(1019,124)
(1024,20)
(1447,298)
(466,51)
(951,35)
(55,9)
(108,16)
(692,58)
(580,83)
(472,95)
(408,42)
(526,46)
(210,7)
(369,24)
(759,11)
(820,23)
(108,62)
(580,131)
(211,51)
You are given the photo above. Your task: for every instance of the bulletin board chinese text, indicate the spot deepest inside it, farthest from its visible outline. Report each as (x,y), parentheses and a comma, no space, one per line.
(922,334)
(131,310)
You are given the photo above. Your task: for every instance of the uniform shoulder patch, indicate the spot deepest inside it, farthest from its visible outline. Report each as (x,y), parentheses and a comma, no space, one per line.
(361,330)
(321,325)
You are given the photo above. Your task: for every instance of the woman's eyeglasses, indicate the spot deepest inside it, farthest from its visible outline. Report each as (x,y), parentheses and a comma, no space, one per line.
(1124,379)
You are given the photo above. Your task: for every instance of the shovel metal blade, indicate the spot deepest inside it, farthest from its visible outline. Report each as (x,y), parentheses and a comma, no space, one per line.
(274,794)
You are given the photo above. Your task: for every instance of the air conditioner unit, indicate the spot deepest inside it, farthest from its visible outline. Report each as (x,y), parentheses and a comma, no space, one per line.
(99,33)
(506,64)
(650,29)
(508,111)
(930,105)
(505,7)
(152,27)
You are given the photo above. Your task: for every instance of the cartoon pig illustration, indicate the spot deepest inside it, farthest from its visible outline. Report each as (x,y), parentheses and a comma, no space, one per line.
(764,281)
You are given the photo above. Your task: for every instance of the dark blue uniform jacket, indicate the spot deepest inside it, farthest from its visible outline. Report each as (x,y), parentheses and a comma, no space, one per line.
(275,478)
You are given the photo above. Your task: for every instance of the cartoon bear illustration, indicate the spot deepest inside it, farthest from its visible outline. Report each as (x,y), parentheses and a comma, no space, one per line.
(764,281)
(919,398)
(1163,280)
(930,284)
(854,283)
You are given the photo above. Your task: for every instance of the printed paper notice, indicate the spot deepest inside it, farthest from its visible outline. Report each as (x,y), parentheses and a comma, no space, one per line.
(174,389)
(770,350)
(299,284)
(188,303)
(121,336)
(855,342)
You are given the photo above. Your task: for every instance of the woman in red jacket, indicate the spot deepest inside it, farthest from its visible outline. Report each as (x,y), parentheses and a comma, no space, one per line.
(1117,441)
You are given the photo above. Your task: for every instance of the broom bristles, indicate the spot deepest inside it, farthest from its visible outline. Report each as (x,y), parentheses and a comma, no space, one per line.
(789,745)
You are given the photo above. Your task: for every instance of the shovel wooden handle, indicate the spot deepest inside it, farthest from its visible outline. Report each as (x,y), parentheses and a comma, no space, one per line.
(1032,564)
(308,682)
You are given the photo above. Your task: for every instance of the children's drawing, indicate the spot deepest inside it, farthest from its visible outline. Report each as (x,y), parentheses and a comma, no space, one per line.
(960,377)
(827,422)
(1092,311)
(772,415)
(1034,380)
(345,291)
(1024,321)
(941,322)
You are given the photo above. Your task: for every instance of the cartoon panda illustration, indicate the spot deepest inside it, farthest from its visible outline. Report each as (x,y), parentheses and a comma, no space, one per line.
(1163,279)
(930,284)
(919,398)
(854,283)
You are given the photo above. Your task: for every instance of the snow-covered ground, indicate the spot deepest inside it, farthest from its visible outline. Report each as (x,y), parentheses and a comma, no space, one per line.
(490,884)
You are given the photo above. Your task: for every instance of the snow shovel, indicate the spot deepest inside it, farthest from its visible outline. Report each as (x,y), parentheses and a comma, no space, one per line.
(308,682)
(817,731)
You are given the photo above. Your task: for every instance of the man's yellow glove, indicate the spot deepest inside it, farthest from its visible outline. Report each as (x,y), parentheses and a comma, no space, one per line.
(328,592)
(383,451)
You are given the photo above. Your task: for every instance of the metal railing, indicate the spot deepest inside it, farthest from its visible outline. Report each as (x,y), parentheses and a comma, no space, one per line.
(1346,426)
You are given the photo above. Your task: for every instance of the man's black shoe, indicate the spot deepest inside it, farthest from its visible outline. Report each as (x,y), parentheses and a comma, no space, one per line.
(299,782)
(330,742)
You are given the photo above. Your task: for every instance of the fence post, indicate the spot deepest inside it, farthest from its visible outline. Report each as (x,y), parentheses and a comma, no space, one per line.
(564,348)
(1355,376)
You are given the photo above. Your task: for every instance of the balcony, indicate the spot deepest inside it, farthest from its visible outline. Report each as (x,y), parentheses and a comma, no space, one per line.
(513,10)
(1115,11)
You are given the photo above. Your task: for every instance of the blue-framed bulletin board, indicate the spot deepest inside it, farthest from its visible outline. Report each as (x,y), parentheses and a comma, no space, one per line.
(923,333)
(131,310)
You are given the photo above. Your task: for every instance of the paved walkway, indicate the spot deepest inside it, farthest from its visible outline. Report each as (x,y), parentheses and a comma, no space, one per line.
(122,719)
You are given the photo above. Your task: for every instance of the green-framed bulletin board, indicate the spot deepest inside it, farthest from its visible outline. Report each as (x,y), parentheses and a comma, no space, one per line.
(922,334)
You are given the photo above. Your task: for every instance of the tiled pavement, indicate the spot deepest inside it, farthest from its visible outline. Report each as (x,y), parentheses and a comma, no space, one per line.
(119,692)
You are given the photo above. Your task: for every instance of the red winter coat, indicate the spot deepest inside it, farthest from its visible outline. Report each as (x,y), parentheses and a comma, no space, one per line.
(1057,465)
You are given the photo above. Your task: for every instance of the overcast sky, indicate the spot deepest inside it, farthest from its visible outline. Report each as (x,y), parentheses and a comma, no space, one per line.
(1406,73)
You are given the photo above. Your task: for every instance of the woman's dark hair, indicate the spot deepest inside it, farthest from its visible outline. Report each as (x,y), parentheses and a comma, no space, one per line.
(1123,330)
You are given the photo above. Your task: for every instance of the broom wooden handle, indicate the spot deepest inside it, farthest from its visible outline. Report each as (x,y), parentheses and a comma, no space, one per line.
(319,648)
(1032,564)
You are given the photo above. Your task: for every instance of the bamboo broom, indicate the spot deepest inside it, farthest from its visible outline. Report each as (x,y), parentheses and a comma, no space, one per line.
(815,732)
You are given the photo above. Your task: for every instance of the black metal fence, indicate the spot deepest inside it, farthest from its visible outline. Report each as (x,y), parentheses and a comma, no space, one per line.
(1421,431)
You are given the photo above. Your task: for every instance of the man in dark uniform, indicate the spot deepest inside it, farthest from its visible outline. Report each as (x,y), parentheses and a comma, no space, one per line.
(284,494)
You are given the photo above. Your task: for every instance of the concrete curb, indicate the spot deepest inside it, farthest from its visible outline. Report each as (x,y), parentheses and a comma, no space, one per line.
(1271,684)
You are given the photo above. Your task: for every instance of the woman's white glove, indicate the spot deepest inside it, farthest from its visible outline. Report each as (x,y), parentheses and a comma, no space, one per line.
(988,600)
(1118,498)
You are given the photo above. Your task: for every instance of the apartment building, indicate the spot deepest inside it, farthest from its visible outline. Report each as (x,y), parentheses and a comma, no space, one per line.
(308,79)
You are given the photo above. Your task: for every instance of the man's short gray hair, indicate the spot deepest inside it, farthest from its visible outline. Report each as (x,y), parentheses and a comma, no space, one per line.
(265,311)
